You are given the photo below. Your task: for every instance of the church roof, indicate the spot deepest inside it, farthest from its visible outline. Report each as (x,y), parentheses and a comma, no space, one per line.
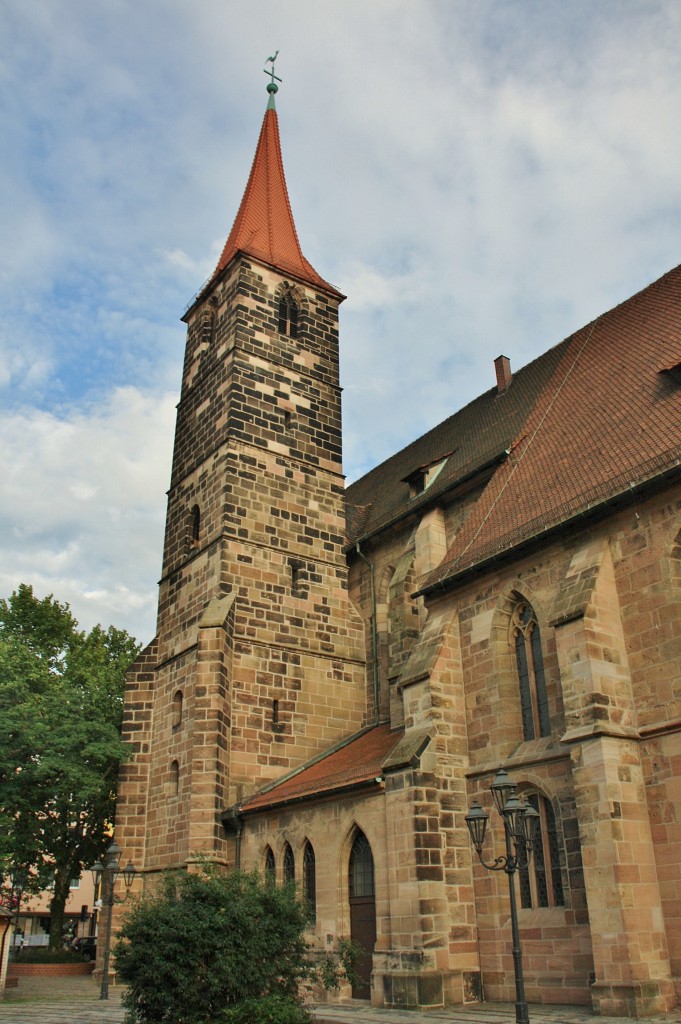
(355,762)
(592,419)
(477,436)
(264,226)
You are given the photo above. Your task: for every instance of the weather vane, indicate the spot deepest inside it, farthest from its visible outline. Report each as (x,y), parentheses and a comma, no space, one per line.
(272,88)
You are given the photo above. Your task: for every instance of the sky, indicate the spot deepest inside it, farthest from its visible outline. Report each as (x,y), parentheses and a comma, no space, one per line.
(478,176)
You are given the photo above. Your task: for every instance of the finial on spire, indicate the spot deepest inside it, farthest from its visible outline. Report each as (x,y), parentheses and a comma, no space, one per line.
(272,87)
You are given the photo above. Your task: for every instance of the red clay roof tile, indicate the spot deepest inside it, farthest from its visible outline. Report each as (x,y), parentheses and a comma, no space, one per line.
(605,420)
(356,762)
(264,226)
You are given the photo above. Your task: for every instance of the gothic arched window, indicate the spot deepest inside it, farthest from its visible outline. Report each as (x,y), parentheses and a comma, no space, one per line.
(270,866)
(288,316)
(310,880)
(289,865)
(361,873)
(541,884)
(533,697)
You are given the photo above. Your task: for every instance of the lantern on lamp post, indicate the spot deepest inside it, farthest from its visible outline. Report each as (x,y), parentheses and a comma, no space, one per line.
(104,875)
(520,823)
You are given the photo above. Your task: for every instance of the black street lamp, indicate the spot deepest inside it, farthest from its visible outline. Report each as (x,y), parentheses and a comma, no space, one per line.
(107,873)
(520,823)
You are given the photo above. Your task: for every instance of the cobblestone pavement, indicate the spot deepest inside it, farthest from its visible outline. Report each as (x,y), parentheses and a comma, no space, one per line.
(76,1001)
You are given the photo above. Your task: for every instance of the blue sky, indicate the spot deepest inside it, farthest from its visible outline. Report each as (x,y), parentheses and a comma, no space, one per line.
(478,177)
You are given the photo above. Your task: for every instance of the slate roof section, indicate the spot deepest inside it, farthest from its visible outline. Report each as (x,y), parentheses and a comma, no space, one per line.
(580,424)
(264,226)
(356,762)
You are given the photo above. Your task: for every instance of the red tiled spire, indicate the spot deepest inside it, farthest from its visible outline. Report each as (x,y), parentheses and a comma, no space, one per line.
(264,227)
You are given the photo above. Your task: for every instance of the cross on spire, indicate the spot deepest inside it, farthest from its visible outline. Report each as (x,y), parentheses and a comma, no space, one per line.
(272,87)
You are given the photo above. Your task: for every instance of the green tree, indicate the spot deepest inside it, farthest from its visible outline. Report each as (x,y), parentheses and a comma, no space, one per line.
(61,708)
(206,943)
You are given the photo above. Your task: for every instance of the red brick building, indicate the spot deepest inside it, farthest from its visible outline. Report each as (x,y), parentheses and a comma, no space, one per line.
(338,673)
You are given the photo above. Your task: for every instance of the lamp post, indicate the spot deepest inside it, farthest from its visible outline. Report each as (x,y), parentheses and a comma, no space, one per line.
(520,823)
(106,873)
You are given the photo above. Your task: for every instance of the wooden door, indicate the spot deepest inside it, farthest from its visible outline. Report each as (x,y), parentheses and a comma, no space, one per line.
(362,911)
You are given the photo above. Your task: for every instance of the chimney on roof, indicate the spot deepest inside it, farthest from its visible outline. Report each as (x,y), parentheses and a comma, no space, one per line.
(502,365)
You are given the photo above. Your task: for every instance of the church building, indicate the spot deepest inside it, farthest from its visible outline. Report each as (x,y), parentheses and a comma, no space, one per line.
(338,673)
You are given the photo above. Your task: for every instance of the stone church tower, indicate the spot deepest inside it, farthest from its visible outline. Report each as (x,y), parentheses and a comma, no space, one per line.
(258,662)
(512,582)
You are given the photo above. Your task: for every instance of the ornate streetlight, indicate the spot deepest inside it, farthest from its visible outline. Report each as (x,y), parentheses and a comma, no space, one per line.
(106,873)
(520,823)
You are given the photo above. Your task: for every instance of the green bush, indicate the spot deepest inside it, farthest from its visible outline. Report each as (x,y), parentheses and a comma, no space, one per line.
(206,942)
(267,1010)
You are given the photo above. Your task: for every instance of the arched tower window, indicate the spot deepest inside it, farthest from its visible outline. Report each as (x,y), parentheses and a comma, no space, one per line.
(310,880)
(289,865)
(530,664)
(541,884)
(270,866)
(208,325)
(288,315)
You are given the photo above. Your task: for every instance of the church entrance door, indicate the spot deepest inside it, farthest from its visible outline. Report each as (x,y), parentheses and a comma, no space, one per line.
(362,911)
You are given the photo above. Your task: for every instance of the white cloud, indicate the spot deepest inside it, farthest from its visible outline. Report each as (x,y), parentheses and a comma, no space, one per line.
(478,177)
(82,505)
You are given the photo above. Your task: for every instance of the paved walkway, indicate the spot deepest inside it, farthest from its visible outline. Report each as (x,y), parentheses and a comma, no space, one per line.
(76,1001)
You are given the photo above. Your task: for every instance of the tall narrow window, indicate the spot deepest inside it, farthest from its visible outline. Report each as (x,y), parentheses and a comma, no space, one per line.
(178,701)
(208,326)
(296,569)
(533,697)
(541,884)
(195,524)
(175,778)
(288,316)
(310,881)
(289,865)
(270,866)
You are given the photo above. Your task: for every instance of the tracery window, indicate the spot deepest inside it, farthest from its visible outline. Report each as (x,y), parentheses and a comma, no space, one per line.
(310,880)
(541,884)
(361,873)
(289,865)
(288,316)
(534,703)
(270,866)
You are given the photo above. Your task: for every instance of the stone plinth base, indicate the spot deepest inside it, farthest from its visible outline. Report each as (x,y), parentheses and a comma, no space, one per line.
(429,989)
(636,999)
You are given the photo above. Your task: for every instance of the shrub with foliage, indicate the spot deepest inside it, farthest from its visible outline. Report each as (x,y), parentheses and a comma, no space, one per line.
(266,1010)
(212,947)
